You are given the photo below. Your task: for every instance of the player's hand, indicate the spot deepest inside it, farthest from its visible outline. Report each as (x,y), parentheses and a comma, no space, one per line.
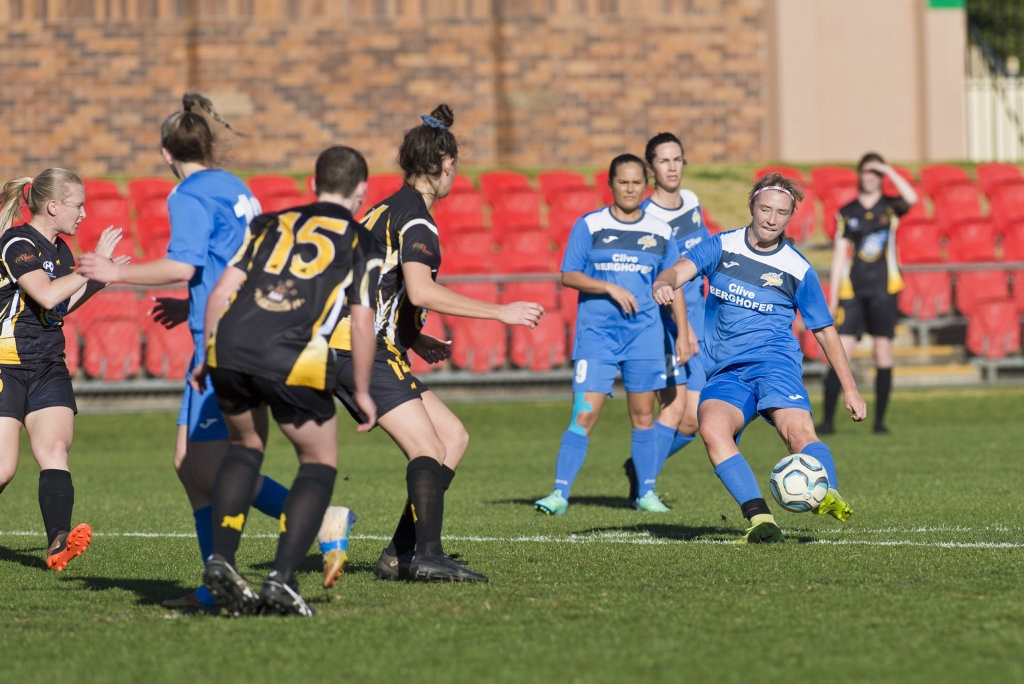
(96,267)
(663,292)
(522,313)
(683,349)
(122,260)
(169,311)
(198,377)
(108,241)
(431,349)
(855,404)
(624,298)
(369,411)
(691,337)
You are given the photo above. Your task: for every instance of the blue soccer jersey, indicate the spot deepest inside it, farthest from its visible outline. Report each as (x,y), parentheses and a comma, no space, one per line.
(753,299)
(629,255)
(689,230)
(210,211)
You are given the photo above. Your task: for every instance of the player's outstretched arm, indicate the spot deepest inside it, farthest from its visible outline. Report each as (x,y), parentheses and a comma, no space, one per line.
(671,279)
(830,343)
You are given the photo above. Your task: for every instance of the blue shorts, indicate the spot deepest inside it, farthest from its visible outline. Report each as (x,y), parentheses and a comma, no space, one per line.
(638,375)
(754,388)
(199,410)
(690,373)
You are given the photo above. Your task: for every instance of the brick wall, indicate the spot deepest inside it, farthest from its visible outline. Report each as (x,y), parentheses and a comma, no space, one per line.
(533,83)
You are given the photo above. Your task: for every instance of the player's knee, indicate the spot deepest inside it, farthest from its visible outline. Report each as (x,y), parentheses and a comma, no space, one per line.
(582,410)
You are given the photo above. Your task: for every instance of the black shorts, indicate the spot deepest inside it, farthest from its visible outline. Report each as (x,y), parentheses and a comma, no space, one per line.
(239,392)
(25,390)
(391,382)
(875,314)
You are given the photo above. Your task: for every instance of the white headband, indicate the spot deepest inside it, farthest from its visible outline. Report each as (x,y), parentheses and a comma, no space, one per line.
(776,187)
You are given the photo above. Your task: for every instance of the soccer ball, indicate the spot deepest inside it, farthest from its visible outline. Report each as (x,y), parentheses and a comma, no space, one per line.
(799,483)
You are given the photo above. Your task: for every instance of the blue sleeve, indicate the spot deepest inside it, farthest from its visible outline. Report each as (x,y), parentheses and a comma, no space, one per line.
(577,248)
(706,254)
(811,302)
(671,256)
(191,228)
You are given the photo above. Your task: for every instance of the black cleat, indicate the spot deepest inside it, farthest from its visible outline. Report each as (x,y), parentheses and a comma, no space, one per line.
(393,568)
(825,429)
(229,588)
(880,429)
(282,598)
(441,568)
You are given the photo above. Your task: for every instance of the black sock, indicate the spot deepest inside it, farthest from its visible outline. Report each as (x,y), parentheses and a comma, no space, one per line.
(883,387)
(232,493)
(56,500)
(302,515)
(754,507)
(832,389)
(424,479)
(403,541)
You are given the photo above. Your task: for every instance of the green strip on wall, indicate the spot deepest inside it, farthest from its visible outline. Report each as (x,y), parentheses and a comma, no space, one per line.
(946,4)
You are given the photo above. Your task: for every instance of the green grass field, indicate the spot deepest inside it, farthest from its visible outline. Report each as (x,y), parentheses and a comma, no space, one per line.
(922,585)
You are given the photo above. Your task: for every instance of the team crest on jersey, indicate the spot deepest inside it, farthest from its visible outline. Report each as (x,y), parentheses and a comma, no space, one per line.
(24,258)
(48,266)
(281,297)
(771,279)
(647,241)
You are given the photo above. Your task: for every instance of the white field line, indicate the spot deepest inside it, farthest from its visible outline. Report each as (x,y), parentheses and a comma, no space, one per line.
(643,538)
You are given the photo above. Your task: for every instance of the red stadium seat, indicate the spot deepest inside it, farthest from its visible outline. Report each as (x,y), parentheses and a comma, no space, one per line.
(462,183)
(926,295)
(538,349)
(560,225)
(993,329)
(154,236)
(527,251)
(544,292)
(1006,203)
(380,186)
(835,198)
(478,345)
(459,212)
(973,287)
(971,240)
(101,212)
(112,351)
(554,183)
(484,290)
(601,184)
(96,188)
(469,254)
(710,223)
(515,210)
(825,178)
(494,183)
(167,352)
(955,202)
(804,220)
(935,176)
(578,200)
(918,241)
(270,184)
(1012,240)
(142,191)
(993,174)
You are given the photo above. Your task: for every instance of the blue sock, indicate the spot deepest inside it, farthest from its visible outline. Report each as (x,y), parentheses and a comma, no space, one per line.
(669,442)
(270,498)
(738,478)
(820,451)
(204,530)
(571,454)
(643,450)
(204,596)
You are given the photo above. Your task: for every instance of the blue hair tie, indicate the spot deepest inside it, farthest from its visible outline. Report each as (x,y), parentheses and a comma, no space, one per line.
(433,122)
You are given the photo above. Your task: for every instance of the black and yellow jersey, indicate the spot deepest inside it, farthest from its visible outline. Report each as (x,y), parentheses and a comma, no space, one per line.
(402,230)
(303,265)
(30,333)
(872,230)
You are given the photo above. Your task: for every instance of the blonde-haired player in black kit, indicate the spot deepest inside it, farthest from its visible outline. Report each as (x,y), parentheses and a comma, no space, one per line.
(38,287)
(289,284)
(428,433)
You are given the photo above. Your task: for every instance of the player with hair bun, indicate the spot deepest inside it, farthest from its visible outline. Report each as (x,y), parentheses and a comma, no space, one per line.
(757,283)
(433,439)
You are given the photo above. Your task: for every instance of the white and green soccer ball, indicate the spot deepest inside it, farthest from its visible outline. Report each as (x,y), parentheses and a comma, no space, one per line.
(799,483)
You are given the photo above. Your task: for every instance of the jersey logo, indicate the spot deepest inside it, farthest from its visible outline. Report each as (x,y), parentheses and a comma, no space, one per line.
(794,397)
(647,241)
(48,266)
(771,279)
(24,258)
(609,239)
(281,297)
(207,423)
(730,264)
(421,248)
